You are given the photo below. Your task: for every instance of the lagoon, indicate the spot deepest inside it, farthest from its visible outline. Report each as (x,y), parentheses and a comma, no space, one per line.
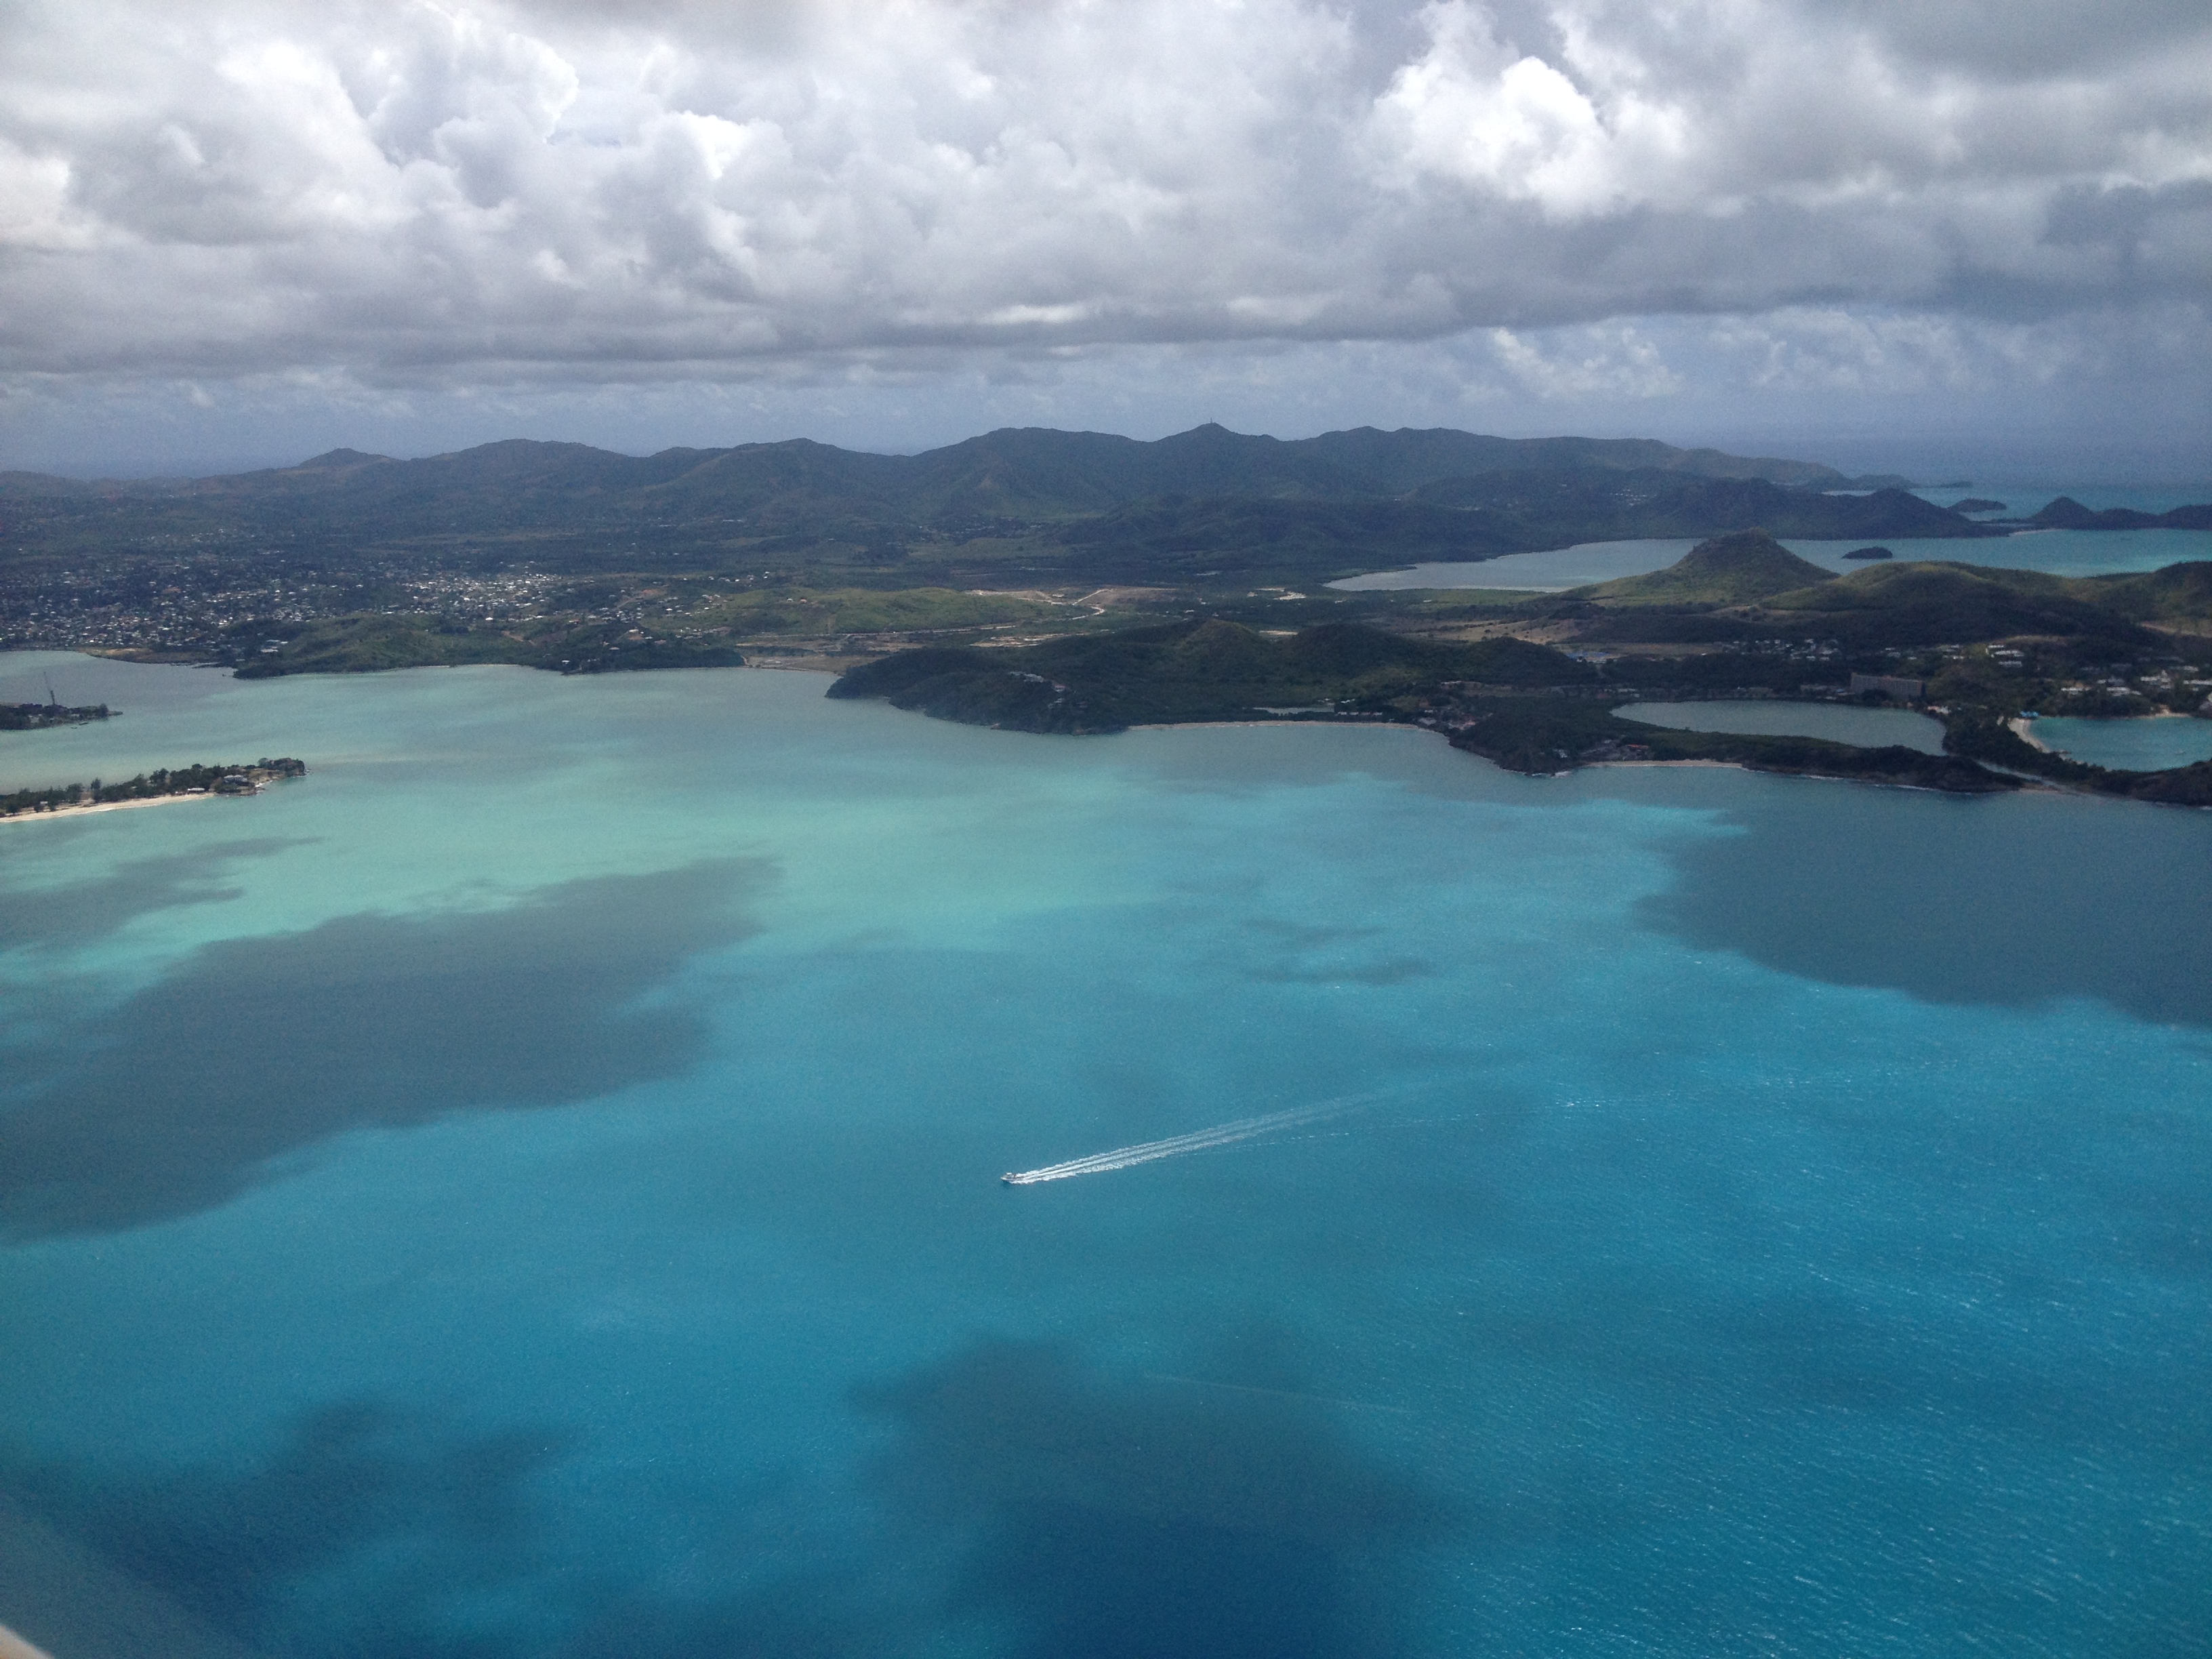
(2060,552)
(1869,728)
(2150,743)
(531,1188)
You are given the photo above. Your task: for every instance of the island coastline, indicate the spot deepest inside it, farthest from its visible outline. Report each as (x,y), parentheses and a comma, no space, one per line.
(90,807)
(153,788)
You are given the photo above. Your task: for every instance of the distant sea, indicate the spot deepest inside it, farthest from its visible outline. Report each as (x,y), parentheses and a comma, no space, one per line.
(531,1188)
(2061,552)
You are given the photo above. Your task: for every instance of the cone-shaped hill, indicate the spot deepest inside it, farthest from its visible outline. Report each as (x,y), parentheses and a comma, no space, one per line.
(1732,569)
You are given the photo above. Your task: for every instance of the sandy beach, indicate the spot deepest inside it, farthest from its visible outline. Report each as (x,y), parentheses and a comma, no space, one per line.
(1226,725)
(100,806)
(1738,764)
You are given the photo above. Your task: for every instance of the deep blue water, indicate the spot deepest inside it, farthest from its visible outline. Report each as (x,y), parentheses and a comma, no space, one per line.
(530,1189)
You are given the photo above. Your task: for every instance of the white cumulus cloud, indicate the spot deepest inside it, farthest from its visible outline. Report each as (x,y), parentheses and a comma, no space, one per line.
(494,192)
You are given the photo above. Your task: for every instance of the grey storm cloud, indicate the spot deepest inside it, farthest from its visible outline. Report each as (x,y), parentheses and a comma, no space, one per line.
(668,190)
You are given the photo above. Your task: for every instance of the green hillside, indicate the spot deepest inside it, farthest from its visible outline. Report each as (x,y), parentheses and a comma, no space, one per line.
(581,508)
(1181,539)
(1927,603)
(1209,670)
(1588,504)
(1732,569)
(2178,593)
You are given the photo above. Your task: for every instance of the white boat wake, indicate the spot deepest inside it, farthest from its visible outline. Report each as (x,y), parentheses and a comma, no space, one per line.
(1199,1140)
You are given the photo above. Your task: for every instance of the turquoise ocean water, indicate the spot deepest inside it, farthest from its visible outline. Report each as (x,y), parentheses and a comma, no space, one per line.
(530,1187)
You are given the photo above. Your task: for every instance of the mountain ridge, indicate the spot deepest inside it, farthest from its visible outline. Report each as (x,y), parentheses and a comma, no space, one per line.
(1205,459)
(1307,507)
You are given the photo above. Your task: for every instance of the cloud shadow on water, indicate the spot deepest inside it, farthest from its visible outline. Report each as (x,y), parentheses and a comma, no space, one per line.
(1111,1518)
(1030,1507)
(188,1093)
(2033,900)
(87,910)
(251,1553)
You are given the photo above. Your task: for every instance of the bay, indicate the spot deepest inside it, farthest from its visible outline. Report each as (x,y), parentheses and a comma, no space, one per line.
(530,1187)
(2058,552)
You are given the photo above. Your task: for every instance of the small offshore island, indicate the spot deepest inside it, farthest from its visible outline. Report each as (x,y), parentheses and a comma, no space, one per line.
(38,716)
(148,789)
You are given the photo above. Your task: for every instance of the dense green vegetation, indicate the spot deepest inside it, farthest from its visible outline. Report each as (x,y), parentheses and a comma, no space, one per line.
(1528,708)
(2181,593)
(1920,603)
(807,488)
(239,778)
(1184,539)
(1197,670)
(700,627)
(353,645)
(820,611)
(1008,502)
(1977,734)
(358,644)
(563,556)
(30,716)
(1730,589)
(1471,518)
(1731,570)
(1536,708)
(1550,734)
(1551,509)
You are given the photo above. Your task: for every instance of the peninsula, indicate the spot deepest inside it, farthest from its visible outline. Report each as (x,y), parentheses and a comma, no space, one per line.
(1532,683)
(180,783)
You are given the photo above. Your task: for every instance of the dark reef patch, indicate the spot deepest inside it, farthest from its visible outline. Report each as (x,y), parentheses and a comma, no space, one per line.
(1024,1497)
(184,1095)
(87,910)
(234,1548)
(1110,1520)
(1865,887)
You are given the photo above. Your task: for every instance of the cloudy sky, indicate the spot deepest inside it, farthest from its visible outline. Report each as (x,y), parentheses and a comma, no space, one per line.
(1909,235)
